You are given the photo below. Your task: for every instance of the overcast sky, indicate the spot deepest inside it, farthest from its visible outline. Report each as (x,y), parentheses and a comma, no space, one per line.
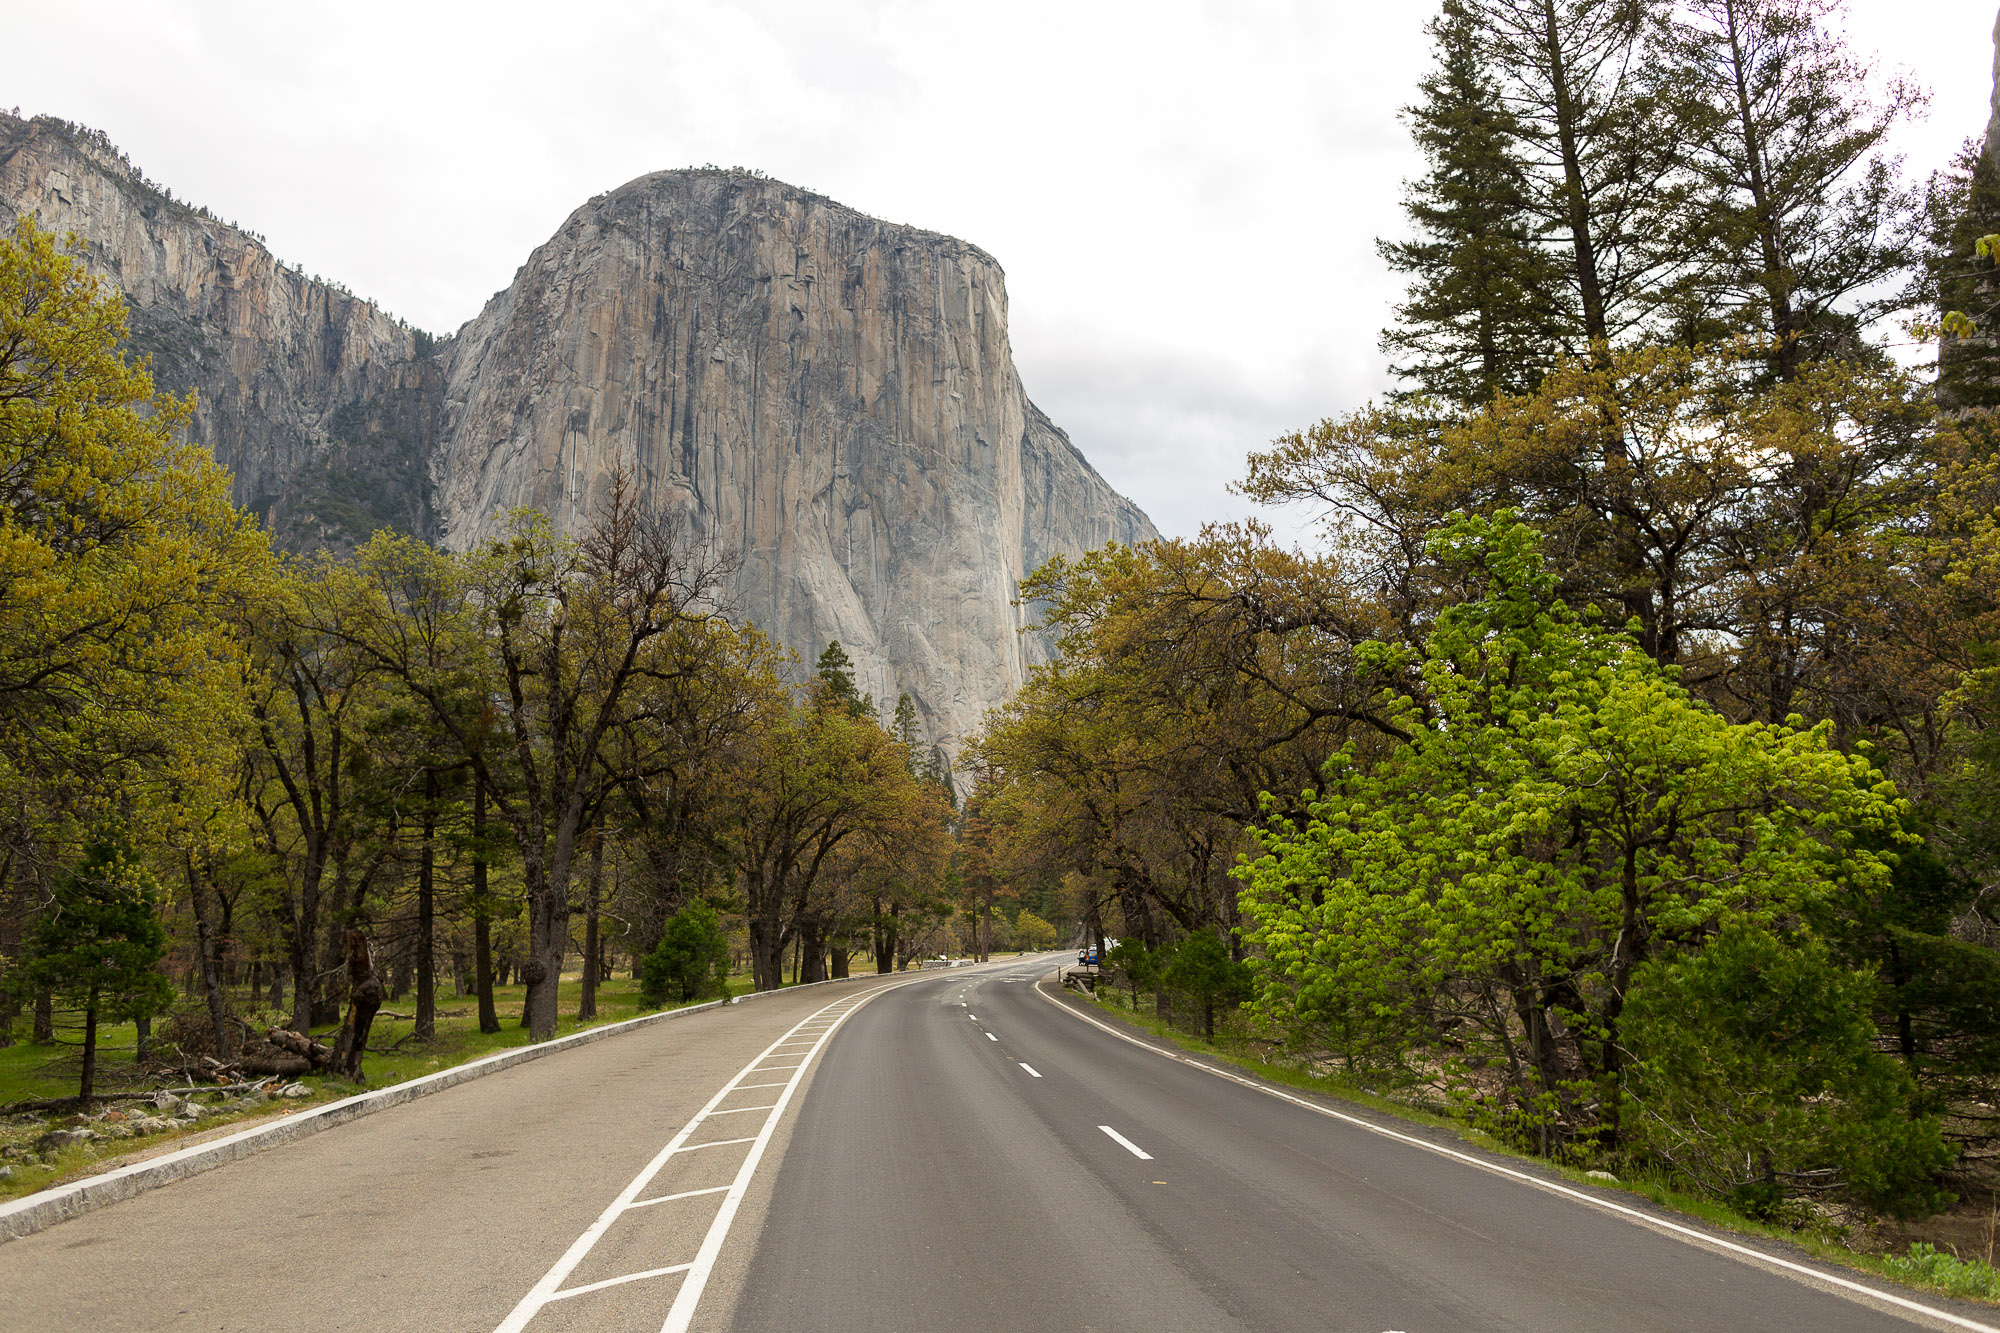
(1185,195)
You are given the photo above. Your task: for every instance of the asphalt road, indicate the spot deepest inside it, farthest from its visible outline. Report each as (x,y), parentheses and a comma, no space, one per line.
(951,1151)
(933,1182)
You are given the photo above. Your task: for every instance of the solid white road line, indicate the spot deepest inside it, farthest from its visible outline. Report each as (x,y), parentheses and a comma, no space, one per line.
(1127,1144)
(1032,1071)
(739,1110)
(1811,1276)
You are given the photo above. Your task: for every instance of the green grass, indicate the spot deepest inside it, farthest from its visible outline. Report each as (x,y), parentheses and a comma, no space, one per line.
(1924,1267)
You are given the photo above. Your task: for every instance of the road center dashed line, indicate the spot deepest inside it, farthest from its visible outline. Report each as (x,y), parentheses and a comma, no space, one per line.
(1032,1071)
(1127,1144)
(1861,1293)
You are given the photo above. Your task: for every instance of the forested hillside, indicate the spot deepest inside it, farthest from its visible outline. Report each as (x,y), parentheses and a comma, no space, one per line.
(1617,771)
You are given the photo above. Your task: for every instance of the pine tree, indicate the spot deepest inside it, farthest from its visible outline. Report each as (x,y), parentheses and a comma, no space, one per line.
(904,726)
(1791,216)
(836,670)
(97,946)
(1476,322)
(1962,276)
(1583,106)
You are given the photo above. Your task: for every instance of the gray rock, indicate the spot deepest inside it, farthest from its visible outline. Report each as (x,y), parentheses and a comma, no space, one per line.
(295,1090)
(831,397)
(57,1139)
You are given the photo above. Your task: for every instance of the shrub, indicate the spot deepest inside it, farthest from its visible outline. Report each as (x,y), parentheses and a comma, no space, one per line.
(1754,1075)
(691,961)
(1202,970)
(1958,1277)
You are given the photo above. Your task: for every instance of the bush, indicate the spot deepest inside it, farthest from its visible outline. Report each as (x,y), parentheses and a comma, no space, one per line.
(1131,960)
(691,961)
(1201,969)
(1755,1076)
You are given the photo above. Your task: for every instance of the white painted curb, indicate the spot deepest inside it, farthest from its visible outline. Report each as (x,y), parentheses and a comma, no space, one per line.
(38,1212)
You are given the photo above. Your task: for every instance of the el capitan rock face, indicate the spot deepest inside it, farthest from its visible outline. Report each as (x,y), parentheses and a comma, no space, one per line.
(830,396)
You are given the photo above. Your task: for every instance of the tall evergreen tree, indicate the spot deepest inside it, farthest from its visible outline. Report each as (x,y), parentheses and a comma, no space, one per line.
(1584,114)
(1962,276)
(97,946)
(1792,217)
(836,669)
(1478,320)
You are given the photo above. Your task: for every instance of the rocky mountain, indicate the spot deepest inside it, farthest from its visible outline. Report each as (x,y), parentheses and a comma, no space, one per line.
(829,395)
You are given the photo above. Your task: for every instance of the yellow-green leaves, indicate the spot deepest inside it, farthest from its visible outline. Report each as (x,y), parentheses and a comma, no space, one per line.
(117,545)
(1564,811)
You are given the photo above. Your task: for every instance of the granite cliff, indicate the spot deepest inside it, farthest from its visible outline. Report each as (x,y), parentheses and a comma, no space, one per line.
(829,395)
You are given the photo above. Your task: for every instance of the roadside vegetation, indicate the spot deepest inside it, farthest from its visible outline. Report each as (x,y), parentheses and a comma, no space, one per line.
(1614,773)
(1615,776)
(278,824)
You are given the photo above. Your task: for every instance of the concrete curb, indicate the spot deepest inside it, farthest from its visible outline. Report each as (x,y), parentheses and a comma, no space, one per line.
(38,1212)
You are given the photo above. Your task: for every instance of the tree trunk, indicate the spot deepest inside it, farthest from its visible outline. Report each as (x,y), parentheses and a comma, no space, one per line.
(482,917)
(211,981)
(548,934)
(277,987)
(89,1084)
(364,998)
(426,1027)
(586,1006)
(767,955)
(45,1018)
(142,1045)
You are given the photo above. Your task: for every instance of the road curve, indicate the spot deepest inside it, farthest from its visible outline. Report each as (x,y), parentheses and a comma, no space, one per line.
(949,1151)
(972,1158)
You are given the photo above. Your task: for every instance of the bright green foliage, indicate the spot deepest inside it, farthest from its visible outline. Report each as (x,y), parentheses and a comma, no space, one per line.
(1201,969)
(1754,1074)
(97,946)
(691,961)
(1959,1277)
(117,546)
(1472,909)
